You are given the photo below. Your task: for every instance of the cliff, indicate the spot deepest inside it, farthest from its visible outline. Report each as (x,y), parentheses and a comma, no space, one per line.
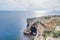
(42,26)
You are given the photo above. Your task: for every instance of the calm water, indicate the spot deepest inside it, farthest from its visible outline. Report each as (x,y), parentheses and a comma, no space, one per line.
(12,25)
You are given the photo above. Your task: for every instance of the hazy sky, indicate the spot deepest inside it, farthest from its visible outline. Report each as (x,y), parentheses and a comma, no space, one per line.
(29,4)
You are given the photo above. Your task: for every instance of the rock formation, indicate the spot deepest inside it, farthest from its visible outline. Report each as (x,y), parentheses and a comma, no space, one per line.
(41,26)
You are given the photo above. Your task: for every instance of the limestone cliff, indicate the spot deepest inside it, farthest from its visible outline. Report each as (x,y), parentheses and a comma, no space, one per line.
(42,27)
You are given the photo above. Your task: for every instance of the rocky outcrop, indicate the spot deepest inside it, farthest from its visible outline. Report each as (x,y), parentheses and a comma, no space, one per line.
(41,26)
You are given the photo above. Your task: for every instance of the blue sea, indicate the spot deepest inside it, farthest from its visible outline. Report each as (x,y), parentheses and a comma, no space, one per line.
(13,23)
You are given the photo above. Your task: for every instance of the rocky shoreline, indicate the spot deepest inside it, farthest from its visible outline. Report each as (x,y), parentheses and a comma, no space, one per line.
(44,28)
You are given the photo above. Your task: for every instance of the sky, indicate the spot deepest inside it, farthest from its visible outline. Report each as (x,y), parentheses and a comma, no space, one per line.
(16,5)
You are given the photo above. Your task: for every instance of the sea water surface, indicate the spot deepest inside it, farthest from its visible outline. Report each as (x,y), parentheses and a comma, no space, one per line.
(13,23)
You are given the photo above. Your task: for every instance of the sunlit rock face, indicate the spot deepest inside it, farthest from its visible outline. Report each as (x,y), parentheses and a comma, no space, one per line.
(51,38)
(43,27)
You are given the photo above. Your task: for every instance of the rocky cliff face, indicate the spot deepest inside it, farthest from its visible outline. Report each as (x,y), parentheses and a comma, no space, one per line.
(42,27)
